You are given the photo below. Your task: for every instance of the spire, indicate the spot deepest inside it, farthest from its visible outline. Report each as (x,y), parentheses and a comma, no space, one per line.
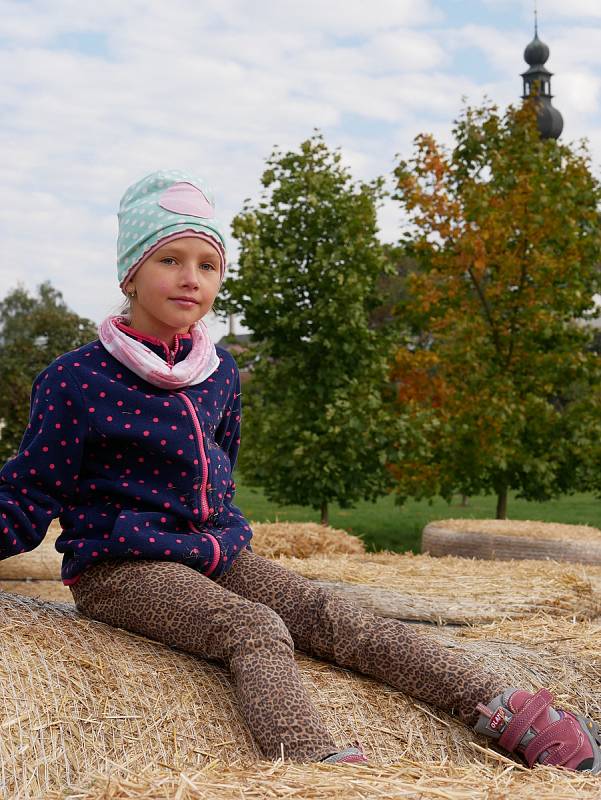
(537,83)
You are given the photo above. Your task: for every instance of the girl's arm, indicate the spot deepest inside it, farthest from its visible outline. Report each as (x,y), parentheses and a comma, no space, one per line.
(43,476)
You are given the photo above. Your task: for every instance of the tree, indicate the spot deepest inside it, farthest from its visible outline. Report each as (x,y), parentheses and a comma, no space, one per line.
(391,286)
(503,392)
(306,286)
(34,330)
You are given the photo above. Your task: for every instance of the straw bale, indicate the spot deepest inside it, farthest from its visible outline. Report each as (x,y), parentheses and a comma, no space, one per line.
(43,563)
(302,539)
(421,588)
(511,539)
(493,777)
(42,590)
(456,590)
(80,697)
(271,539)
(530,529)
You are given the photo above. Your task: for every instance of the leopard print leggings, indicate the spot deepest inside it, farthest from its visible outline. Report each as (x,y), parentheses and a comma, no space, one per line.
(251,619)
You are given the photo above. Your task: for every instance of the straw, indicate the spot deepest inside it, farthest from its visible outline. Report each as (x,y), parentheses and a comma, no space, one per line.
(81,698)
(42,590)
(302,539)
(410,779)
(270,539)
(456,590)
(512,539)
(531,529)
(421,588)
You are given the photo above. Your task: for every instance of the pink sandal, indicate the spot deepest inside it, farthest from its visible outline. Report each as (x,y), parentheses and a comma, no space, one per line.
(529,725)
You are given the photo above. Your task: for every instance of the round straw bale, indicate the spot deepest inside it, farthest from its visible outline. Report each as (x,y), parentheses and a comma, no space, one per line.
(270,539)
(503,539)
(42,590)
(83,698)
(301,539)
(43,563)
(456,590)
(490,776)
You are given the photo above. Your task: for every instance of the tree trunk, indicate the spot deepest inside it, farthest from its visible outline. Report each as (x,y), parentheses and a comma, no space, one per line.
(465,501)
(502,503)
(324,513)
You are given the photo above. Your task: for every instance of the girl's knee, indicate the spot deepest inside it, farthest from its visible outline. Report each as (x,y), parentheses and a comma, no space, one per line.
(261,623)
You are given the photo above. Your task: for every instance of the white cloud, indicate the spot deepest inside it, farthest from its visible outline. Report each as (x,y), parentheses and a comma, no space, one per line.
(577,92)
(404,49)
(549,9)
(340,17)
(575,8)
(96,95)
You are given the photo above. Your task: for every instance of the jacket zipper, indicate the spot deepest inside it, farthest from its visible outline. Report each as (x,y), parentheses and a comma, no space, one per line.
(171,354)
(204,505)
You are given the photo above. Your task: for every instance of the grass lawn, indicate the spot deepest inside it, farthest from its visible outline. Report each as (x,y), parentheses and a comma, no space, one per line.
(386,526)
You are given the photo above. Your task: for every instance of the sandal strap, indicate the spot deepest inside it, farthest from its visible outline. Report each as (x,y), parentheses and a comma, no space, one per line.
(562,732)
(523,719)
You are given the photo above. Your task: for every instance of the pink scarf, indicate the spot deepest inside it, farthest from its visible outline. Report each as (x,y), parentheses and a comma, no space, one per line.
(201,361)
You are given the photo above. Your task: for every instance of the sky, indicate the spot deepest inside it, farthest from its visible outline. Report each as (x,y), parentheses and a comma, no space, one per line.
(94,96)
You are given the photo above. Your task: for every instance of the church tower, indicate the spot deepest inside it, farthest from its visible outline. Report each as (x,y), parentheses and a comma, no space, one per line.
(537,83)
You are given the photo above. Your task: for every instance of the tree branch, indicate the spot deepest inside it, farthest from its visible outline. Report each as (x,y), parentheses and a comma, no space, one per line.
(512,329)
(487,311)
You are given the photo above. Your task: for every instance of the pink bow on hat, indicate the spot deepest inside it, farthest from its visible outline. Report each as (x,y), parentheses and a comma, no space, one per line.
(184,198)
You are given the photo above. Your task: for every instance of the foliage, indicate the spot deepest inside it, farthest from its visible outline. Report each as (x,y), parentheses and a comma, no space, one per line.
(384,525)
(34,330)
(315,420)
(392,287)
(503,391)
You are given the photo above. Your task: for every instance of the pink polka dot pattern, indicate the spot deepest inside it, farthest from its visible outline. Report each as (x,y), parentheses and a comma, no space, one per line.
(132,471)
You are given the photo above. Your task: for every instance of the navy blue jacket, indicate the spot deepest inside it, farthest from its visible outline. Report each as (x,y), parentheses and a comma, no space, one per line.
(132,471)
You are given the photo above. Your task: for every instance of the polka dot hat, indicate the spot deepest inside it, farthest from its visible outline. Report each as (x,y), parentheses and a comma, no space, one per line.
(164,205)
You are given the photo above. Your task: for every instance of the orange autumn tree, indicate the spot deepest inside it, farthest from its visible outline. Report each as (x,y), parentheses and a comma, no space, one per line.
(501,390)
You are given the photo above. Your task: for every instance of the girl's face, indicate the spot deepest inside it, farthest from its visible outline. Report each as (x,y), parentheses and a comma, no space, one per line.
(175,287)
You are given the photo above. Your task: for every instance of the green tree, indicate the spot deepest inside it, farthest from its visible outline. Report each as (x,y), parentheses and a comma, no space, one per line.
(34,330)
(392,286)
(315,422)
(504,391)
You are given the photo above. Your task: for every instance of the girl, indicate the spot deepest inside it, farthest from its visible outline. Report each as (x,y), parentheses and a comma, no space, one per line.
(132,441)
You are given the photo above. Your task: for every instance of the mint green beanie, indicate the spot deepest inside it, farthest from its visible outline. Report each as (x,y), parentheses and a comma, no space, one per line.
(163,206)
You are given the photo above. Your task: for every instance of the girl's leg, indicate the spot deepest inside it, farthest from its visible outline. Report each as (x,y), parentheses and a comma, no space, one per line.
(330,627)
(178,606)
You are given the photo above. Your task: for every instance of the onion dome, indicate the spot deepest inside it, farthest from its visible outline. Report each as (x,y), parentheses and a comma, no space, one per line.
(536,52)
(537,84)
(550,121)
